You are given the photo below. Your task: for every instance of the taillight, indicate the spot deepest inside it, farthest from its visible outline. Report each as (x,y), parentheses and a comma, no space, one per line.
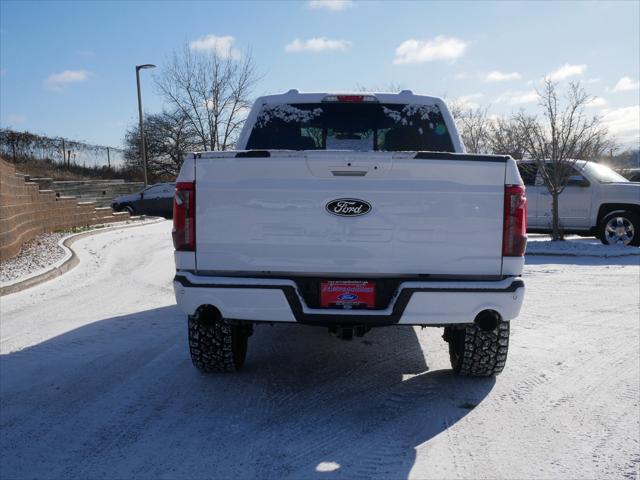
(184,217)
(514,239)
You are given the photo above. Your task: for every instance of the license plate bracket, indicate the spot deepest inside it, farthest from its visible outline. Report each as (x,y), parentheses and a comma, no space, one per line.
(347,294)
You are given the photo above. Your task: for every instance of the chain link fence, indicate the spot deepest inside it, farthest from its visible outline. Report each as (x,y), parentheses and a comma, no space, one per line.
(22,146)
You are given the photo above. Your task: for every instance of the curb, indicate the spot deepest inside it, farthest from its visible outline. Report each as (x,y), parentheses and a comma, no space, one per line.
(632,253)
(604,257)
(69,260)
(575,255)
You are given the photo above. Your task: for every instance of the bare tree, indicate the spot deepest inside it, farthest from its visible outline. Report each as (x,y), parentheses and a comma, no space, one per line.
(212,90)
(391,87)
(476,130)
(562,136)
(474,126)
(168,136)
(506,138)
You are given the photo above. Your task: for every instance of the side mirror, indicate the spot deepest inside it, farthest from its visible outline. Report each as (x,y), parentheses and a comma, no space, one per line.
(577,181)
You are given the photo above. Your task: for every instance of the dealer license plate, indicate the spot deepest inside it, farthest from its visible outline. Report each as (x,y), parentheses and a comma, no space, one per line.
(347,294)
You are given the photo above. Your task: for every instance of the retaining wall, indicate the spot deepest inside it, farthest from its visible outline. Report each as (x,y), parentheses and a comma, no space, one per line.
(26,211)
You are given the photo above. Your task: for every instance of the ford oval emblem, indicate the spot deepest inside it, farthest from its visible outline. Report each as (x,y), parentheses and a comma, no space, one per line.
(348,207)
(347,297)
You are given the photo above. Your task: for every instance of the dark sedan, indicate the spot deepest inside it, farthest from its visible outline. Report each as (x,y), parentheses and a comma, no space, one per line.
(155,200)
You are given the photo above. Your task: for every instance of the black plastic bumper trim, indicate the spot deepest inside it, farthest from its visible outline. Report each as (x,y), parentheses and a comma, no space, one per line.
(330,319)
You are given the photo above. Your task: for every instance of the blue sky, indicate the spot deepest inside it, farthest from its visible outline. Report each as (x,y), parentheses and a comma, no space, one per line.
(67,68)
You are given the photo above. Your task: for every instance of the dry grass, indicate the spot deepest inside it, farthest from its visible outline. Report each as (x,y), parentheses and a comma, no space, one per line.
(39,169)
(48,169)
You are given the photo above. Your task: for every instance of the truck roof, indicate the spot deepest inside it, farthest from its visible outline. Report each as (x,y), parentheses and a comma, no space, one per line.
(295,96)
(403,97)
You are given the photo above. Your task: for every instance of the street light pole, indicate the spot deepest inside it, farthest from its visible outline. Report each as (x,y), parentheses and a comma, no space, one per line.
(143,149)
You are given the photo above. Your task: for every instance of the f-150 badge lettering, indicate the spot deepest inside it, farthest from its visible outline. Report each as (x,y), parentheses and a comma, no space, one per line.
(348,207)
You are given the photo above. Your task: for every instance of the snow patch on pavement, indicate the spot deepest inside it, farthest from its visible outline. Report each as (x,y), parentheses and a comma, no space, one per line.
(577,246)
(49,251)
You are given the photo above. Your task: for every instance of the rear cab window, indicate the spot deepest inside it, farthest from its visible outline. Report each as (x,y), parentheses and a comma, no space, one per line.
(350,126)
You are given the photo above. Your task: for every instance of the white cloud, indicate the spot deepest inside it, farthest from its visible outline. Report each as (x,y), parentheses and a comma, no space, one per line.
(334,5)
(497,76)
(57,81)
(221,46)
(624,123)
(468,102)
(593,80)
(565,71)
(439,48)
(460,76)
(319,44)
(626,84)
(596,102)
(518,97)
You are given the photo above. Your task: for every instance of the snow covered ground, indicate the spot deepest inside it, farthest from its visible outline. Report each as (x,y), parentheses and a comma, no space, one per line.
(95,382)
(574,245)
(35,255)
(49,251)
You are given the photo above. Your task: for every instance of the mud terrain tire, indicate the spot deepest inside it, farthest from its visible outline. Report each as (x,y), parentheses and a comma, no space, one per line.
(215,344)
(477,353)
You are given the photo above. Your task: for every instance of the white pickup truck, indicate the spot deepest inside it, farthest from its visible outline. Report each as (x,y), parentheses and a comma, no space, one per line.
(596,201)
(350,212)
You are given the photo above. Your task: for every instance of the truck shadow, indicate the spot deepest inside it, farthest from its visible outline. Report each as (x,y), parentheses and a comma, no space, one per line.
(119,398)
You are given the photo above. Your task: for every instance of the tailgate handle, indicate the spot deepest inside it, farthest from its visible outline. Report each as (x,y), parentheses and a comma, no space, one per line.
(349,173)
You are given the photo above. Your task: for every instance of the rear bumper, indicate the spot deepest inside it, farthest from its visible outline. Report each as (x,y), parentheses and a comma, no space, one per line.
(415,302)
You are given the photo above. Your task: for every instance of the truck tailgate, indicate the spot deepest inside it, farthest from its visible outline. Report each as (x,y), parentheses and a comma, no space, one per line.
(437,214)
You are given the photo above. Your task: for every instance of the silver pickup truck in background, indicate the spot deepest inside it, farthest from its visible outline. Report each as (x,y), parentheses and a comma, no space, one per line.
(596,201)
(350,211)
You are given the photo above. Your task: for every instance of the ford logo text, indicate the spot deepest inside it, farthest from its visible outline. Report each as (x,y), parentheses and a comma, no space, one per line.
(348,207)
(347,297)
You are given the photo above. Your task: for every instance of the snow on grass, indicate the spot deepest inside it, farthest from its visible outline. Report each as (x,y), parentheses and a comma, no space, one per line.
(577,246)
(36,254)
